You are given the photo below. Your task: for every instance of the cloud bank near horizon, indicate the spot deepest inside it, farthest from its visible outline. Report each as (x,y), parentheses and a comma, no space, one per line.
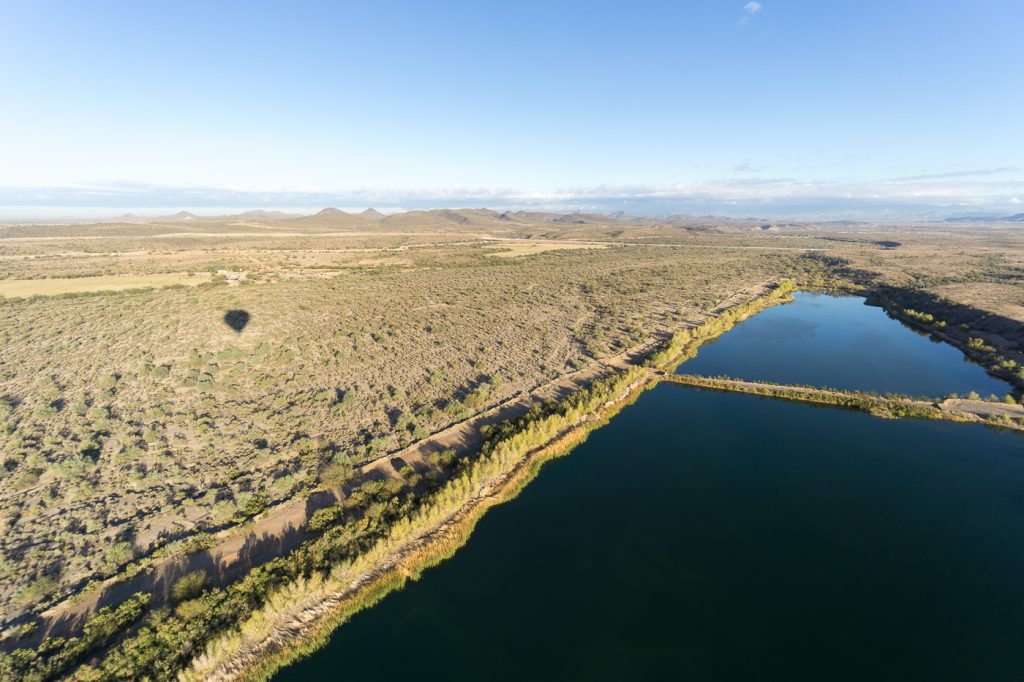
(918,197)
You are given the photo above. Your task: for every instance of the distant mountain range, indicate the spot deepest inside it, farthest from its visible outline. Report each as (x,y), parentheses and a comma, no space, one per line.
(332,217)
(133,218)
(462,216)
(337,218)
(183,216)
(1015,218)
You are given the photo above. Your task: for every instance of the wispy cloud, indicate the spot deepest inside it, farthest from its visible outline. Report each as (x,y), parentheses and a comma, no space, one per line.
(913,197)
(750,9)
(1002,170)
(747,167)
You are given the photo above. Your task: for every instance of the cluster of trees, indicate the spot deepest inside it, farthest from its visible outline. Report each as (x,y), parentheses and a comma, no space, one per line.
(925,319)
(168,639)
(378,516)
(1008,399)
(506,449)
(56,654)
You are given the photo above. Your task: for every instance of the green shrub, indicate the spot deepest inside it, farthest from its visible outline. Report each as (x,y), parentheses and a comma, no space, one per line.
(322,519)
(38,590)
(189,586)
(337,471)
(251,504)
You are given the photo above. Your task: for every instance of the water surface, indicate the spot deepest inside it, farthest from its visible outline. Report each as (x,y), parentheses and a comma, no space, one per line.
(840,342)
(738,539)
(708,536)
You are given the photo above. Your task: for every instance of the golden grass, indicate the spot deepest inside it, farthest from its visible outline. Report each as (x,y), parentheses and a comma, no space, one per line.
(19,288)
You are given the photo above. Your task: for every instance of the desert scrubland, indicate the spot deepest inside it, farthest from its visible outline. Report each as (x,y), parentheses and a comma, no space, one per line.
(166,387)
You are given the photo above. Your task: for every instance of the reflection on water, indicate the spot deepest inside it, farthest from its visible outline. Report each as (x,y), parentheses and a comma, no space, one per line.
(838,341)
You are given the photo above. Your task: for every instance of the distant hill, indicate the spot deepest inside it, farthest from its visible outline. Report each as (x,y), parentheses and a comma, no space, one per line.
(259,214)
(372,214)
(180,215)
(332,218)
(127,218)
(583,218)
(558,218)
(133,218)
(444,218)
(185,216)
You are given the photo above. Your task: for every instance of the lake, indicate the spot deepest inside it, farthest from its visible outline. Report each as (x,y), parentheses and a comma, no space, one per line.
(714,536)
(839,342)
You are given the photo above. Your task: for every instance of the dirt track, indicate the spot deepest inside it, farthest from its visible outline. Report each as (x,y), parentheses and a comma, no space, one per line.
(280,529)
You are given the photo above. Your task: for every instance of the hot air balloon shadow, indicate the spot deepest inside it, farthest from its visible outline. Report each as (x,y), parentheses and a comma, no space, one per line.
(236,319)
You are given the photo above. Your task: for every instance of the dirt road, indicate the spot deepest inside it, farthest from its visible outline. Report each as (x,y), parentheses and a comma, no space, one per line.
(281,528)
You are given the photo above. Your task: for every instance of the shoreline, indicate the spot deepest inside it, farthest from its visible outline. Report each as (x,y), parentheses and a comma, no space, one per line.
(298,616)
(999,361)
(136,646)
(959,411)
(311,629)
(77,605)
(301,631)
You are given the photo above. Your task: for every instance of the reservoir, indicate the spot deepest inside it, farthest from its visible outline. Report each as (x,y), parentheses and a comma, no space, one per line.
(839,342)
(714,536)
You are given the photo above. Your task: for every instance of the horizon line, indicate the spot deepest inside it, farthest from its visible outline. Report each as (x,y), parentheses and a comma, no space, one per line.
(908,198)
(177,214)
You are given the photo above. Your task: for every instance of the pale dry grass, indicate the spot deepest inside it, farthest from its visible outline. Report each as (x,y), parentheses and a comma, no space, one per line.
(998,298)
(21,288)
(518,249)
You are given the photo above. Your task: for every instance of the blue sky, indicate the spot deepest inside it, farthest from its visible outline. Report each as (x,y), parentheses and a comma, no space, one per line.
(785,107)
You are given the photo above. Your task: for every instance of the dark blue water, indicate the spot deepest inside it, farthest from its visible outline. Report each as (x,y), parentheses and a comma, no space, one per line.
(839,342)
(710,536)
(719,537)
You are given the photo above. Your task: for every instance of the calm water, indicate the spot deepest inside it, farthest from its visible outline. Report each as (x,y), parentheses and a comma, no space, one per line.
(840,342)
(710,536)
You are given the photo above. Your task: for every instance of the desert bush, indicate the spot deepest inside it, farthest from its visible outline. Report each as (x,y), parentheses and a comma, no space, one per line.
(189,586)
